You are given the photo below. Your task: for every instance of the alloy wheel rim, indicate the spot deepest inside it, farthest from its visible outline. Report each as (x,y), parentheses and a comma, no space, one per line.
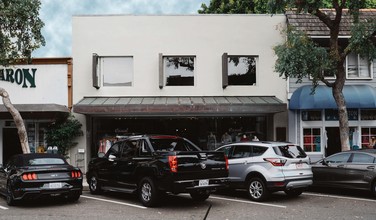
(256,189)
(146,192)
(93,183)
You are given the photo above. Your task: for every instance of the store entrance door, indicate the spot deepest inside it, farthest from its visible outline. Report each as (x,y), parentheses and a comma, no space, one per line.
(11,143)
(334,141)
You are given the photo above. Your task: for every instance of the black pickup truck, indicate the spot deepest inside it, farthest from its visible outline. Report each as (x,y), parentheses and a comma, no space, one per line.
(151,165)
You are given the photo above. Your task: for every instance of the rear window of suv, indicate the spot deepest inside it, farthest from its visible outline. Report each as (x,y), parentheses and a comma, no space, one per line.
(290,151)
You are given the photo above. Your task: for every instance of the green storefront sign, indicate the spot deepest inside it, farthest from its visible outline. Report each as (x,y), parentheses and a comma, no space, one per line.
(24,77)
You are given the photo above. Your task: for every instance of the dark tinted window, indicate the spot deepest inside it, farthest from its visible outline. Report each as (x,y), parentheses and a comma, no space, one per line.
(257,150)
(290,151)
(172,144)
(338,158)
(241,151)
(362,158)
(128,151)
(114,150)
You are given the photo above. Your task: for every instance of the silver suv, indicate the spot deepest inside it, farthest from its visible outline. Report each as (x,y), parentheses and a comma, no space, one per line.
(264,167)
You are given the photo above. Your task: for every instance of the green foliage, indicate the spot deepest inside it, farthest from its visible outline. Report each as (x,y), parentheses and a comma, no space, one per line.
(300,57)
(62,133)
(20,29)
(234,7)
(364,34)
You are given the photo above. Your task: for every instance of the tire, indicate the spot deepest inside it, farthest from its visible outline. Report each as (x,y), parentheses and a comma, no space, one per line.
(257,190)
(94,185)
(294,192)
(148,192)
(10,198)
(200,196)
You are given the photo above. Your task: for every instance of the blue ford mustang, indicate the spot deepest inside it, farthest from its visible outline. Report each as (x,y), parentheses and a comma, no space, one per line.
(32,176)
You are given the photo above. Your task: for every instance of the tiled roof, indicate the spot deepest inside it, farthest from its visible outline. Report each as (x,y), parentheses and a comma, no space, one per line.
(314,27)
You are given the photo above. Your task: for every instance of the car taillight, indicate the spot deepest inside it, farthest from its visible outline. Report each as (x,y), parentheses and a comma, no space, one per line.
(277,162)
(29,176)
(76,174)
(227,166)
(173,161)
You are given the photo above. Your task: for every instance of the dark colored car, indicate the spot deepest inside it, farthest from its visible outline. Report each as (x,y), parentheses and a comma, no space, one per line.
(32,176)
(349,169)
(151,165)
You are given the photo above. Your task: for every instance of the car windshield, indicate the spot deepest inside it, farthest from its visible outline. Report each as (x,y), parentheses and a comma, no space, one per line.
(45,161)
(172,144)
(290,151)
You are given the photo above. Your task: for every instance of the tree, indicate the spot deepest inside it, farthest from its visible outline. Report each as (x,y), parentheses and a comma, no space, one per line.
(20,34)
(62,132)
(234,7)
(300,57)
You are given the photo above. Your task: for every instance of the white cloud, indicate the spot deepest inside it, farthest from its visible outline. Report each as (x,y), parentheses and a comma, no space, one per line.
(57,16)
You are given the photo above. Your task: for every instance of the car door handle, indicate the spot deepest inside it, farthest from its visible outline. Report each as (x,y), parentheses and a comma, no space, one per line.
(371,167)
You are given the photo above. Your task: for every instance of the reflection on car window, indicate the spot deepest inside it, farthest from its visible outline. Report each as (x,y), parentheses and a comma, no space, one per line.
(257,150)
(362,158)
(339,158)
(226,151)
(241,151)
(45,161)
(172,145)
(290,151)
(114,150)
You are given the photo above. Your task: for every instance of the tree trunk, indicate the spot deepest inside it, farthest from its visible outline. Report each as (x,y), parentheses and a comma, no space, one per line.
(17,120)
(342,110)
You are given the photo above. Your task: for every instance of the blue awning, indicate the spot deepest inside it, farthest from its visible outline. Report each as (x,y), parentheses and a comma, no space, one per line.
(356,96)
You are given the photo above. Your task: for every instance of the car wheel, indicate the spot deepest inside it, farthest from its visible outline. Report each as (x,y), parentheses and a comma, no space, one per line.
(148,192)
(294,192)
(257,190)
(10,197)
(94,185)
(200,196)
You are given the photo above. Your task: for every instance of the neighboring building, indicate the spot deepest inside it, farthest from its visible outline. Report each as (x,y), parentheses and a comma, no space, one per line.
(313,119)
(40,91)
(197,76)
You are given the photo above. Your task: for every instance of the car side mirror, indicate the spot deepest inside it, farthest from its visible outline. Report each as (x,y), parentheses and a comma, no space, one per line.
(324,162)
(111,157)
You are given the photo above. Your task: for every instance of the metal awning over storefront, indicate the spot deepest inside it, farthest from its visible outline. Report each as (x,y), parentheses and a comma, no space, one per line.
(29,111)
(356,96)
(180,106)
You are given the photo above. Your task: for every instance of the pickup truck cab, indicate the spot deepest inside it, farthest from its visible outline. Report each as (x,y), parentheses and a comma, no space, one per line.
(151,165)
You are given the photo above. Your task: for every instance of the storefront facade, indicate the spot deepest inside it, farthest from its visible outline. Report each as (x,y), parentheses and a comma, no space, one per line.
(313,118)
(198,76)
(41,92)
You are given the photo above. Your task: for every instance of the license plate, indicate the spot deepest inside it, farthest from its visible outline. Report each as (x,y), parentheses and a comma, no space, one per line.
(203,182)
(299,165)
(55,185)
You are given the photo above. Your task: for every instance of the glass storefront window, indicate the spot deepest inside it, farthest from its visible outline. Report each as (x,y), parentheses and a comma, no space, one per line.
(367,134)
(311,115)
(312,139)
(368,114)
(332,114)
(36,136)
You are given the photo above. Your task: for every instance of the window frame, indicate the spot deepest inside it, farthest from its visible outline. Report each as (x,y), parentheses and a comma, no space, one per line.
(359,60)
(162,70)
(225,69)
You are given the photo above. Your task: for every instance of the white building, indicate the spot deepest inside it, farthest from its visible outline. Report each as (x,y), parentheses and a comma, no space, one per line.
(41,92)
(190,75)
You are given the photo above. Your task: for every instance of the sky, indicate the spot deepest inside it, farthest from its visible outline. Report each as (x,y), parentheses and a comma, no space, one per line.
(57,17)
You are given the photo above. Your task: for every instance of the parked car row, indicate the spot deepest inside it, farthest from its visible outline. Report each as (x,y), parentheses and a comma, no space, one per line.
(152,165)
